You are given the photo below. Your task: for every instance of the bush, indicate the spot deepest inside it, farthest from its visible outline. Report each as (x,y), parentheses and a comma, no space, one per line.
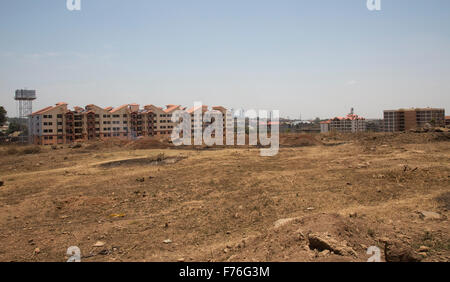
(12,151)
(31,150)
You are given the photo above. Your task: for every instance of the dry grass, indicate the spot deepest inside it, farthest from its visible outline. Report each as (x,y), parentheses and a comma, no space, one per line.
(222,204)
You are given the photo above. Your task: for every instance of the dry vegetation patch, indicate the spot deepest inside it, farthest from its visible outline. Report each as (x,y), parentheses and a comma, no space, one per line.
(311,202)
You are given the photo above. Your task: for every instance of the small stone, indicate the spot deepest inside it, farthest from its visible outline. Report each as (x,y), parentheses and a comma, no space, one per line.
(167,241)
(103,252)
(99,244)
(423,254)
(37,251)
(427,215)
(180,260)
(283,221)
(423,249)
(1,183)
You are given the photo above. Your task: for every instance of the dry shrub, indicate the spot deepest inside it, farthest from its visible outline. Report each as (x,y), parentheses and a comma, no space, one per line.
(22,150)
(12,151)
(31,150)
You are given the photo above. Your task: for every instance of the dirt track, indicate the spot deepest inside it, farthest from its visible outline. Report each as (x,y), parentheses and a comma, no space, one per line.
(230,204)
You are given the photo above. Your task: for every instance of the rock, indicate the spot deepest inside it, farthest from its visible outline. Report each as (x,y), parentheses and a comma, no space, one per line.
(324,253)
(1,183)
(423,254)
(167,241)
(75,146)
(180,260)
(398,252)
(423,249)
(283,221)
(103,252)
(324,241)
(99,244)
(427,215)
(37,251)
(353,214)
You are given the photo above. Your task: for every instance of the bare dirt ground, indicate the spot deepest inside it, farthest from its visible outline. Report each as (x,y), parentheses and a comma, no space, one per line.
(323,199)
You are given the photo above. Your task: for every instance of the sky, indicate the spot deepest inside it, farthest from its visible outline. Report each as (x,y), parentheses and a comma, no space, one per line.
(308,58)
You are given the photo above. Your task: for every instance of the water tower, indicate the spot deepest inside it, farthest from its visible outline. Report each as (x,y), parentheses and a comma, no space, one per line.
(24,100)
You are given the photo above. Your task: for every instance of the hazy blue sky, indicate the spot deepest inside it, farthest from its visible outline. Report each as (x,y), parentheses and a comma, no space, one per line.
(314,58)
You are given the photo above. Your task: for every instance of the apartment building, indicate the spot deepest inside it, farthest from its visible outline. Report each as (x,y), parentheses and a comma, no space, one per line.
(407,119)
(47,126)
(227,117)
(349,123)
(59,125)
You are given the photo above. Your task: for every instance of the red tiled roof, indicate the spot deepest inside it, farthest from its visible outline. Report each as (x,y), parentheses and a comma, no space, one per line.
(349,117)
(42,110)
(119,108)
(171,108)
(204,109)
(219,108)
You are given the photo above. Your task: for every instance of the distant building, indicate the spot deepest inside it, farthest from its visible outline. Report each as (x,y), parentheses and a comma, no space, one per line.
(406,119)
(374,125)
(59,125)
(349,123)
(325,126)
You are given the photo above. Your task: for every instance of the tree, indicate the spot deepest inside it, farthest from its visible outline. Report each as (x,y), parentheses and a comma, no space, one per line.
(16,125)
(2,116)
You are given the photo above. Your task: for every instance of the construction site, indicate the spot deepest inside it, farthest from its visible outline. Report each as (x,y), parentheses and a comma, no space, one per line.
(323,197)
